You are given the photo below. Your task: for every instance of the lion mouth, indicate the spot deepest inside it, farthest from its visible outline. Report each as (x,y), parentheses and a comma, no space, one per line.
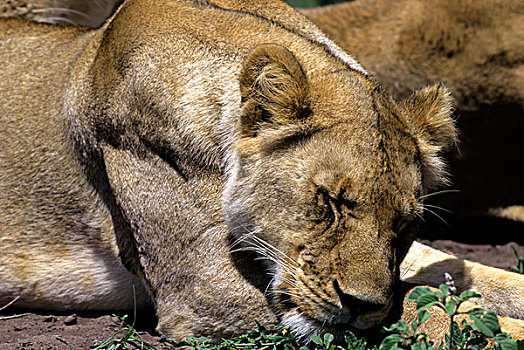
(335,322)
(304,326)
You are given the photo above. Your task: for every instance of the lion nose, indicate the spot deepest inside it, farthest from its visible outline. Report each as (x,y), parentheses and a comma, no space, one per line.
(356,305)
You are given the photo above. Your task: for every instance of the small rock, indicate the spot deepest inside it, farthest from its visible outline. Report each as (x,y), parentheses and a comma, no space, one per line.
(51,319)
(70,320)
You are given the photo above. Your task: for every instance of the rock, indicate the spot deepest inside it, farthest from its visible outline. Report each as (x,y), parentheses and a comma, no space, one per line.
(51,319)
(70,320)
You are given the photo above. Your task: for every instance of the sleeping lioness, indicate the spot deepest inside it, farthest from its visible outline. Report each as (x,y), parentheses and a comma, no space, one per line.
(237,162)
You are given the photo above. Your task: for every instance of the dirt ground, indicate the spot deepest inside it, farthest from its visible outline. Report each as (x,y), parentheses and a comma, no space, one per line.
(36,331)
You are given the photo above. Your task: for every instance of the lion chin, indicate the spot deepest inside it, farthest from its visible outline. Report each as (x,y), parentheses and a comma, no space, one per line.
(304,326)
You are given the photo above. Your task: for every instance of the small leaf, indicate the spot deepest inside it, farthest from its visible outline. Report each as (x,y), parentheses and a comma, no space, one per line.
(485,319)
(399,327)
(417,292)
(423,316)
(450,307)
(508,344)
(457,333)
(316,339)
(426,300)
(391,342)
(444,289)
(468,294)
(481,326)
(349,337)
(328,338)
(418,346)
(415,324)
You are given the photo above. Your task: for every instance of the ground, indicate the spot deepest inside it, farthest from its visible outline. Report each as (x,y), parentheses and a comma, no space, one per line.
(37,331)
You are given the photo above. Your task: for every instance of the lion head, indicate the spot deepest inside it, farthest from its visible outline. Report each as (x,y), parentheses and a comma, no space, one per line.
(327,185)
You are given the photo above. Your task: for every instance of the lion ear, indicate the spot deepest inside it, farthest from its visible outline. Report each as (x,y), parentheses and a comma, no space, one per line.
(273,87)
(430,111)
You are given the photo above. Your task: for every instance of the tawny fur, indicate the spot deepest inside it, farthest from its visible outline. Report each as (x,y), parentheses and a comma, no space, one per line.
(182,142)
(476,48)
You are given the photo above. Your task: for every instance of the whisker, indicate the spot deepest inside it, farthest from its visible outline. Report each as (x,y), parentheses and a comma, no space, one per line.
(438,216)
(438,193)
(56,20)
(236,242)
(99,3)
(437,207)
(420,217)
(265,249)
(292,283)
(268,252)
(269,284)
(241,249)
(265,255)
(283,292)
(60,10)
(275,249)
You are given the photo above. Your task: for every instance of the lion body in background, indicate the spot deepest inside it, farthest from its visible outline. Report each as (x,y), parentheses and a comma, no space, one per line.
(187,155)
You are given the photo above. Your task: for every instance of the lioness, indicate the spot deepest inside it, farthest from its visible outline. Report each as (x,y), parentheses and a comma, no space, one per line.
(227,153)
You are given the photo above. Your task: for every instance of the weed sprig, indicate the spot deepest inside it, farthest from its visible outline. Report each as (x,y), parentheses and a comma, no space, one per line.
(124,338)
(519,268)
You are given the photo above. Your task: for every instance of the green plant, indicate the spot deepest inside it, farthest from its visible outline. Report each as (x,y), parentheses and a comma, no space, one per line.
(482,333)
(519,268)
(278,337)
(129,337)
(259,338)
(352,342)
(324,343)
